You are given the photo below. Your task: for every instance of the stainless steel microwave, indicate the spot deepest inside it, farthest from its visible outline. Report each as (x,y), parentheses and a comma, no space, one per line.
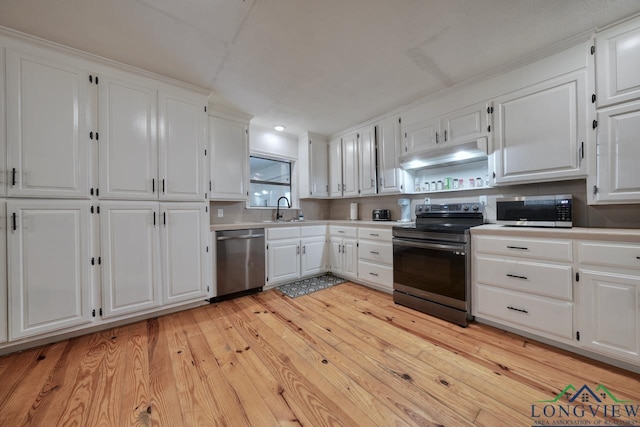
(536,211)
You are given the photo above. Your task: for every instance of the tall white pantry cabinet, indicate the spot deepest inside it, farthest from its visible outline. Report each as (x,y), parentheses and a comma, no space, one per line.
(104,175)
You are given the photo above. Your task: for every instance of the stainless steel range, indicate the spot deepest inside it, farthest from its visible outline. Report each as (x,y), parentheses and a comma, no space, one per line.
(432,260)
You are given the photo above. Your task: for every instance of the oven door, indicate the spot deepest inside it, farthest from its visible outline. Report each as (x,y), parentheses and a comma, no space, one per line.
(435,271)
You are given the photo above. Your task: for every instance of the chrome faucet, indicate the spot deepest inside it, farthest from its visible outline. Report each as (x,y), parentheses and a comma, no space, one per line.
(278,214)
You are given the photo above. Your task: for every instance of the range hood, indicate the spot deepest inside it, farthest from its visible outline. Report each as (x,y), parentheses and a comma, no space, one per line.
(473,151)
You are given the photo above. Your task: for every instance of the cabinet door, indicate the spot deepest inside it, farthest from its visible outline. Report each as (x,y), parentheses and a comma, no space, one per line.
(314,257)
(610,314)
(350,165)
(421,136)
(617,63)
(47,137)
(465,125)
(130,257)
(335,168)
(618,175)
(182,133)
(350,254)
(337,259)
(283,260)
(48,245)
(183,242)
(318,168)
(3,135)
(3,272)
(128,145)
(367,160)
(229,158)
(540,131)
(388,136)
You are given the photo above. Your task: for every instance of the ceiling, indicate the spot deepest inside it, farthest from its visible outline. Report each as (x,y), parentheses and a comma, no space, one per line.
(313,65)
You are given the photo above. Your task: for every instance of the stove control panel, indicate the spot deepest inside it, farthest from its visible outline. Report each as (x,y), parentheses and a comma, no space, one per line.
(450,208)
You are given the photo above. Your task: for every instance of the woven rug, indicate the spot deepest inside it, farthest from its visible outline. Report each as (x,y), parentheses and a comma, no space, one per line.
(307,286)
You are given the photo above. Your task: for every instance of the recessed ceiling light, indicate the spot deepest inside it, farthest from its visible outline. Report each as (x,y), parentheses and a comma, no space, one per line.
(279,128)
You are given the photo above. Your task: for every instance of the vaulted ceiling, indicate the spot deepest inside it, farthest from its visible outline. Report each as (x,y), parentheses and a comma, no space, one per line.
(316,65)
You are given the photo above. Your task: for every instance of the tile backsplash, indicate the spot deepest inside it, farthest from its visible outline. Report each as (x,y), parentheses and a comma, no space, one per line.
(613,216)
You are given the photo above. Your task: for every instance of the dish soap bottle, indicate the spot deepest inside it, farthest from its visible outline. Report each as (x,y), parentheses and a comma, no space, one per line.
(300,216)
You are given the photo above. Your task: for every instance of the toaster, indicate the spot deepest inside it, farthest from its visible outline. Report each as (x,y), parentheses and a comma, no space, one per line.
(381,215)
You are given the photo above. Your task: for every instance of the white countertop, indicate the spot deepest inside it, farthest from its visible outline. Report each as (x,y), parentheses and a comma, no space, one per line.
(356,223)
(631,235)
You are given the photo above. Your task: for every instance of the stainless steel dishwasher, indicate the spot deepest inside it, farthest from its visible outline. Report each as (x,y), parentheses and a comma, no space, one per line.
(240,258)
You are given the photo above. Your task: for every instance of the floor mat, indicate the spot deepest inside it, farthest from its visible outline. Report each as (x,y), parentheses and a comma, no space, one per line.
(307,286)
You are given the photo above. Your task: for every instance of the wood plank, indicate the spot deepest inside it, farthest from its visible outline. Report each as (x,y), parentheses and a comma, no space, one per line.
(346,355)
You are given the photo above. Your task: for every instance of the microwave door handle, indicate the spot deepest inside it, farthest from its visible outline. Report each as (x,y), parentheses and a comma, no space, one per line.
(426,245)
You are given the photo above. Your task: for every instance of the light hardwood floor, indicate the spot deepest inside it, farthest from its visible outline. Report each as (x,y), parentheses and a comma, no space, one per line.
(346,355)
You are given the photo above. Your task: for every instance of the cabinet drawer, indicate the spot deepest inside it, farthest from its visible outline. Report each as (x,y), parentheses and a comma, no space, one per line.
(543,279)
(380,274)
(549,249)
(536,313)
(375,234)
(313,230)
(337,230)
(283,233)
(376,252)
(609,254)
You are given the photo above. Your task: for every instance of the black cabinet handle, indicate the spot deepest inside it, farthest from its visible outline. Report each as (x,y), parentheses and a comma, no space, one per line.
(13,176)
(374,252)
(517,277)
(154,219)
(164,218)
(14,226)
(153,185)
(522,248)
(374,274)
(163,185)
(518,310)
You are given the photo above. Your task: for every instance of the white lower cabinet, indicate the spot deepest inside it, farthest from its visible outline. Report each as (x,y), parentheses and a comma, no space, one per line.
(295,252)
(344,251)
(48,266)
(130,257)
(184,245)
(3,272)
(375,258)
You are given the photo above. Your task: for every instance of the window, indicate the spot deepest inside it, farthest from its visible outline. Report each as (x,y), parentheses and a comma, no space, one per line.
(269,180)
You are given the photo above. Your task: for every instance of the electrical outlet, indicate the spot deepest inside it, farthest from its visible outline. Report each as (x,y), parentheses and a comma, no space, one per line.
(220,213)
(483,200)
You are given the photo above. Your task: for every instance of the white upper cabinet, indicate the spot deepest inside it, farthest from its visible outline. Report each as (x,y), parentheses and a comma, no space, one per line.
(389,151)
(617,179)
(47,136)
(48,246)
(350,165)
(420,136)
(617,63)
(182,141)
(3,135)
(367,161)
(541,131)
(465,125)
(335,168)
(131,280)
(184,232)
(313,157)
(3,272)
(128,147)
(229,159)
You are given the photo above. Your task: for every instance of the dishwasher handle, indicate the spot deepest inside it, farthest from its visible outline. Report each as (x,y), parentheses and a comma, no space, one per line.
(242,237)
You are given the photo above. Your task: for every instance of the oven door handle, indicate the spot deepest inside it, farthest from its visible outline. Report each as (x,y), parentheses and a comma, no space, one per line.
(427,245)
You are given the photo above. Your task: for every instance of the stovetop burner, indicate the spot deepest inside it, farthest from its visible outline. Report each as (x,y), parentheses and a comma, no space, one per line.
(455,218)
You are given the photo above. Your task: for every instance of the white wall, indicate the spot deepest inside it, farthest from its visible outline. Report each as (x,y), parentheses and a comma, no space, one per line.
(271,143)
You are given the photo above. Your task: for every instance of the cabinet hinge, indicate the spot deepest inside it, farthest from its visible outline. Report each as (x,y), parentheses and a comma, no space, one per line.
(594,124)
(489,128)
(205,108)
(577,276)
(593,98)
(595,189)
(577,335)
(93,313)
(593,50)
